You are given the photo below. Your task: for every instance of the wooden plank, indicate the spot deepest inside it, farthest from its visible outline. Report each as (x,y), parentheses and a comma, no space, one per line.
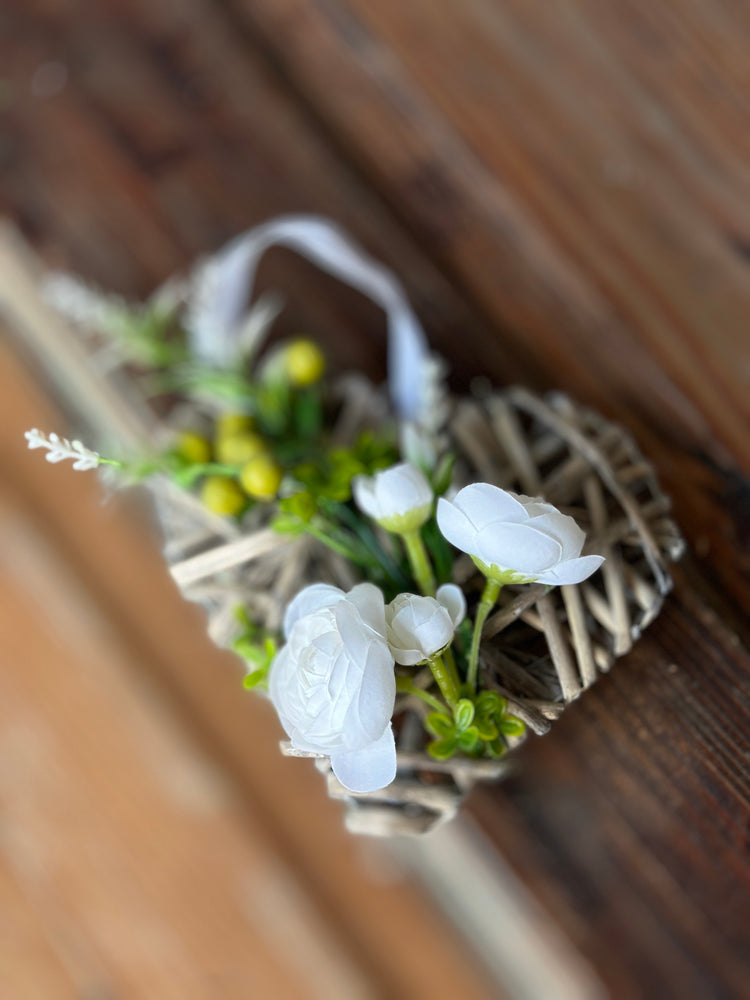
(135,865)
(30,965)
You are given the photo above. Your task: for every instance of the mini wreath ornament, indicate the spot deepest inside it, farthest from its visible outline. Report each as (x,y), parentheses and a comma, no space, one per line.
(415,584)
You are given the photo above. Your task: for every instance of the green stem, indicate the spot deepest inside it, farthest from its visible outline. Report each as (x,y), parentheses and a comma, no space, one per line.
(187,476)
(445,681)
(450,662)
(404,685)
(419,562)
(486,604)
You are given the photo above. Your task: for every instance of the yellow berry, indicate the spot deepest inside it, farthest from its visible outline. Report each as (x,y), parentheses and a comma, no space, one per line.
(237,449)
(222,495)
(304,362)
(261,477)
(194,447)
(229,424)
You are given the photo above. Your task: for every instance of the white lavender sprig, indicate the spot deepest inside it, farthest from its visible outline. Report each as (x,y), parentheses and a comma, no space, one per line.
(60,449)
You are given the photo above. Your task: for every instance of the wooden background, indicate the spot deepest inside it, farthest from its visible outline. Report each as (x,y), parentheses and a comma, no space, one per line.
(565,190)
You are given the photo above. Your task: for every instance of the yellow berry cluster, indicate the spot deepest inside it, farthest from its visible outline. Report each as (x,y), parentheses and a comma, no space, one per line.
(235,443)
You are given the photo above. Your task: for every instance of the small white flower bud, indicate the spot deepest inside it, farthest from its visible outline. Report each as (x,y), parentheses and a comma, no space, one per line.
(421,627)
(399,498)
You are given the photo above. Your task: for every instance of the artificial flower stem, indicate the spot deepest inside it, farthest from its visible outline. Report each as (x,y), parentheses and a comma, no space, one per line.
(419,562)
(405,685)
(445,680)
(486,604)
(450,662)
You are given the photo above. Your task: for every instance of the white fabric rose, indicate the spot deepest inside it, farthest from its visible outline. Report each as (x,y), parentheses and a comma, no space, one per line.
(399,498)
(515,539)
(420,627)
(333,683)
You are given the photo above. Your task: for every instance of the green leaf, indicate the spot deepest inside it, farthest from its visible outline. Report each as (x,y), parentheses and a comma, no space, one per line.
(496,748)
(463,714)
(288,524)
(511,726)
(301,505)
(271,647)
(443,475)
(442,749)
(256,679)
(486,728)
(490,702)
(245,647)
(440,551)
(242,615)
(228,385)
(439,724)
(463,635)
(308,413)
(469,740)
(186,476)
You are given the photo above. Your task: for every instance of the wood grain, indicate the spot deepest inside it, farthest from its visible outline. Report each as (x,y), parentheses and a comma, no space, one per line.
(136,872)
(565,190)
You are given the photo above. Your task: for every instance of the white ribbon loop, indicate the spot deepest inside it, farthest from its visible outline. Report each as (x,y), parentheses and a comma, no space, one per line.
(224,284)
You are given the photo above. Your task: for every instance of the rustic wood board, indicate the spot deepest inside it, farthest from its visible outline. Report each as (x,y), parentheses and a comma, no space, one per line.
(564,189)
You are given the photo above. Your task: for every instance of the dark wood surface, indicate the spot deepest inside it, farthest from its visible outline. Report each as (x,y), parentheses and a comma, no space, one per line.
(565,190)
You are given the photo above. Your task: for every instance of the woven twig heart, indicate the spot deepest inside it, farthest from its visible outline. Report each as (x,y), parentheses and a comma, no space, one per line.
(541,648)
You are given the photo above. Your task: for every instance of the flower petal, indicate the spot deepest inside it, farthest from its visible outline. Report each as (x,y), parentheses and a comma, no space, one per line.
(536,506)
(363,490)
(312,598)
(373,707)
(517,547)
(369,601)
(455,526)
(563,528)
(483,503)
(370,769)
(572,571)
(452,599)
(406,657)
(400,489)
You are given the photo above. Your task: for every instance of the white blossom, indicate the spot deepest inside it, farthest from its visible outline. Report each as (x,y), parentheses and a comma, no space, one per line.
(333,683)
(399,498)
(515,539)
(60,449)
(420,627)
